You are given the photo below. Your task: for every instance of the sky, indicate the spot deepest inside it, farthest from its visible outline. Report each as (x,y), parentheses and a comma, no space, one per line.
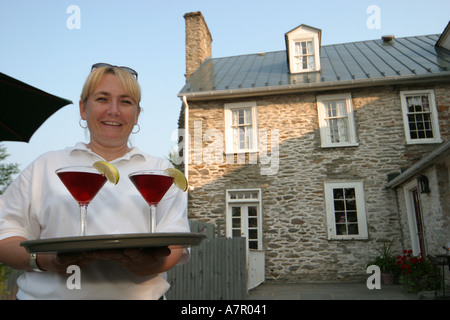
(47,44)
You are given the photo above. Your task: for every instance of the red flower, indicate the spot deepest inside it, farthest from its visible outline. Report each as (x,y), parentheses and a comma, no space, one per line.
(406,266)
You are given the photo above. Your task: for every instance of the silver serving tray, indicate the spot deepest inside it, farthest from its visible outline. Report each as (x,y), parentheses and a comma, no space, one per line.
(116,241)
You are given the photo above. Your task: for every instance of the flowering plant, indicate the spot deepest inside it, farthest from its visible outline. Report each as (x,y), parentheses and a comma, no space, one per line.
(417,273)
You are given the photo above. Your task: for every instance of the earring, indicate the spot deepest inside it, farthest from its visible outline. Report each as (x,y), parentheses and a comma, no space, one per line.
(139,129)
(79,122)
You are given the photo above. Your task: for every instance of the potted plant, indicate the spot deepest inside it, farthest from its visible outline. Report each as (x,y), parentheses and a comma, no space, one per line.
(387,263)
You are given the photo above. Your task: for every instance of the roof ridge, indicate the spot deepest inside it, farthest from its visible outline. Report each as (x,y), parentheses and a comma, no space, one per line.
(261,53)
(379,39)
(326,45)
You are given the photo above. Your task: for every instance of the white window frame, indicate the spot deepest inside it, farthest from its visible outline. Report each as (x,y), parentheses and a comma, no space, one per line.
(230,146)
(244,202)
(325,135)
(360,208)
(314,38)
(433,117)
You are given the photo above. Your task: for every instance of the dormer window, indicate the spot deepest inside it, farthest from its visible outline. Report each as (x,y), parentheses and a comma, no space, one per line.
(303,49)
(304,55)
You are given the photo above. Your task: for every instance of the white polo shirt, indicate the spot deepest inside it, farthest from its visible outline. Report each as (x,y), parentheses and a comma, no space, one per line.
(38,206)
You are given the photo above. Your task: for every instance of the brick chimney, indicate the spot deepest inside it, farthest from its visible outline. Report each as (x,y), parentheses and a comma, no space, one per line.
(198,41)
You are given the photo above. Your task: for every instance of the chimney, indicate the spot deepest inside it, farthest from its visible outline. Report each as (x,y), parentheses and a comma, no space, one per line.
(198,41)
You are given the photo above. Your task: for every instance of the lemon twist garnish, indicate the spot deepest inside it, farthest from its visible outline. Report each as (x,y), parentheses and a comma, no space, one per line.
(178,178)
(108,170)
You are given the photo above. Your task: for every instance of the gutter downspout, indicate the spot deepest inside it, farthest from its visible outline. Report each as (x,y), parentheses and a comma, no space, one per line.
(186,149)
(186,134)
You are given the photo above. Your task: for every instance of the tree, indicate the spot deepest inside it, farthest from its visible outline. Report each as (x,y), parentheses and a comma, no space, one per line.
(176,160)
(7,170)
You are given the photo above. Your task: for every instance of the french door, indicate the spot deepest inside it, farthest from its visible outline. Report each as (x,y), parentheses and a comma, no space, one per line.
(244,219)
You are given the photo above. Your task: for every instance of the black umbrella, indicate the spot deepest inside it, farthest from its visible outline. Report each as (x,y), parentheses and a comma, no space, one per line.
(23,109)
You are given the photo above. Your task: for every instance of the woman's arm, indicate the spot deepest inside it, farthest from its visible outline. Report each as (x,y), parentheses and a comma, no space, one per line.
(15,256)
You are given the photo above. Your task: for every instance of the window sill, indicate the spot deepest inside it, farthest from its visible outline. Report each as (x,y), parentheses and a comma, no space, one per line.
(240,152)
(340,145)
(294,72)
(423,141)
(348,238)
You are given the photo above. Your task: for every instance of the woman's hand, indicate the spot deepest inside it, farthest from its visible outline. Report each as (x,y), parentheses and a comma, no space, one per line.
(58,263)
(141,262)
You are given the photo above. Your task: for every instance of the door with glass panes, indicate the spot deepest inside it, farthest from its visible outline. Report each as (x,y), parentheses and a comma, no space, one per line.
(244,223)
(244,220)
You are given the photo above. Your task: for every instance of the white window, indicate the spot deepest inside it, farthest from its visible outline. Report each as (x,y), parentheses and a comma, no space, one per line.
(346,214)
(241,127)
(244,216)
(336,121)
(303,49)
(420,117)
(304,55)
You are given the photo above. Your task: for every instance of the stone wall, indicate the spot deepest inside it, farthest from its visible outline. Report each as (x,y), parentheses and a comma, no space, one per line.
(294,218)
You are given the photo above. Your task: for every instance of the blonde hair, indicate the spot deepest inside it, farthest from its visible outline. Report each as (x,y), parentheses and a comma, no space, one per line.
(127,80)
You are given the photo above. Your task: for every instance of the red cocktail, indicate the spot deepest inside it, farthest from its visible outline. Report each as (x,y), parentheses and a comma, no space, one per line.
(152,185)
(83,183)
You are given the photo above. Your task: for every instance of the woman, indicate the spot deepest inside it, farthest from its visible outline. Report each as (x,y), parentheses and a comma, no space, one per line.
(38,206)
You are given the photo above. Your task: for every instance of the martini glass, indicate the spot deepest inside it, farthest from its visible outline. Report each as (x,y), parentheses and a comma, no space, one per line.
(83,183)
(152,185)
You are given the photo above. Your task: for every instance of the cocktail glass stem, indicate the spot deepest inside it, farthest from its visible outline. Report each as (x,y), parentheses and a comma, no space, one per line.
(83,218)
(152,220)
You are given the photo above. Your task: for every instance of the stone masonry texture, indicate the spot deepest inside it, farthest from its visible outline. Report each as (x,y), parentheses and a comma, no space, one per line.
(293,203)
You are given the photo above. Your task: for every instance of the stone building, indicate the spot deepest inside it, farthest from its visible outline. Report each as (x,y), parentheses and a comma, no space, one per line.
(307,152)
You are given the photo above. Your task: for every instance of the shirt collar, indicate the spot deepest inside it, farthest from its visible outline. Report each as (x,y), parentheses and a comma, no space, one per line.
(80,146)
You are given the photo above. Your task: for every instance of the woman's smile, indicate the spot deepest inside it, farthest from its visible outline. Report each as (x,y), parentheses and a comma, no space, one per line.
(111,123)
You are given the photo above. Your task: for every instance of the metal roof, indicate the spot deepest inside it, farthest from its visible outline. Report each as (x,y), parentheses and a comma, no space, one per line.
(362,63)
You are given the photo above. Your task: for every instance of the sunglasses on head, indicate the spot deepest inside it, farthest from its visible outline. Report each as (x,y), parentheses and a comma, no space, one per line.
(100,65)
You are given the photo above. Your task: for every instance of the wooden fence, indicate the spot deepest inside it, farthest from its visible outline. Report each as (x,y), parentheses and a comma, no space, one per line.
(217,269)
